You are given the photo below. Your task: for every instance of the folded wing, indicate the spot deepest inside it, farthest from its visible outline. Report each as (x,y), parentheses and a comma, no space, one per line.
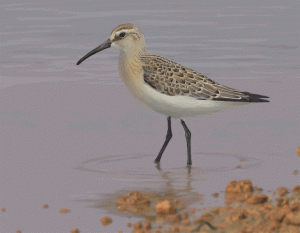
(172,79)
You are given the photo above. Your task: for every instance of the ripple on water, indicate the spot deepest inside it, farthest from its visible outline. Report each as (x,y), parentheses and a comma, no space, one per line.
(131,168)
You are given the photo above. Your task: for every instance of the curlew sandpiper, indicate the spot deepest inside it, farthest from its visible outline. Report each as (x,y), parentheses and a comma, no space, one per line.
(167,87)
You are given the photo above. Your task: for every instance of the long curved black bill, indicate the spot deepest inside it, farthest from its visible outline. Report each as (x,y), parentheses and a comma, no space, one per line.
(105,45)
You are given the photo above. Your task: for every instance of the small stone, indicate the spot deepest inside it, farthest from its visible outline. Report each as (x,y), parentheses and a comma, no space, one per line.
(257,199)
(122,207)
(296,189)
(257,188)
(185,216)
(216,195)
(64,211)
(45,206)
(282,202)
(147,225)
(106,220)
(3,210)
(293,219)
(298,151)
(204,218)
(276,216)
(296,172)
(137,226)
(176,218)
(165,207)
(207,217)
(282,191)
(295,206)
(242,215)
(186,222)
(239,187)
(74,230)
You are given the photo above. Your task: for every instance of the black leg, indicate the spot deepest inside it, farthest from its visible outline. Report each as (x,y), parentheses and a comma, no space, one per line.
(188,142)
(168,138)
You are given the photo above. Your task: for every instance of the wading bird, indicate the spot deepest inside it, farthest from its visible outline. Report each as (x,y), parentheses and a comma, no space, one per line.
(166,87)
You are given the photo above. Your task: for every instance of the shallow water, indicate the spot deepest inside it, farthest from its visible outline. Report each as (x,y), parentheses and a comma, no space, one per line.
(74,137)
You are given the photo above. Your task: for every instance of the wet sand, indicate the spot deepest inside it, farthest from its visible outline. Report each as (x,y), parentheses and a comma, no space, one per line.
(247,209)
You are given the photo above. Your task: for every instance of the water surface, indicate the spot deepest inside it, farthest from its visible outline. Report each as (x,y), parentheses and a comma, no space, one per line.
(74,137)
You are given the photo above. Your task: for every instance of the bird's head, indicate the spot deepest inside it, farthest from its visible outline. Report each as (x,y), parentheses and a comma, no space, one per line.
(125,37)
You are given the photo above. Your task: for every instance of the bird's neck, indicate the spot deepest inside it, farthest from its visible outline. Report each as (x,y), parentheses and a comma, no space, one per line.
(131,70)
(129,60)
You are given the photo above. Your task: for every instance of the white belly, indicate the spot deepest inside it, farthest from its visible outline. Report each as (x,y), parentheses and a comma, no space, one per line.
(182,106)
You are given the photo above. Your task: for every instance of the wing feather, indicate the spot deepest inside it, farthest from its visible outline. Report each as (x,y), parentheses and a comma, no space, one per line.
(172,79)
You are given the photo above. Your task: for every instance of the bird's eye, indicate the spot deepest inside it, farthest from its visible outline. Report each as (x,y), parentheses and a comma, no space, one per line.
(122,34)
